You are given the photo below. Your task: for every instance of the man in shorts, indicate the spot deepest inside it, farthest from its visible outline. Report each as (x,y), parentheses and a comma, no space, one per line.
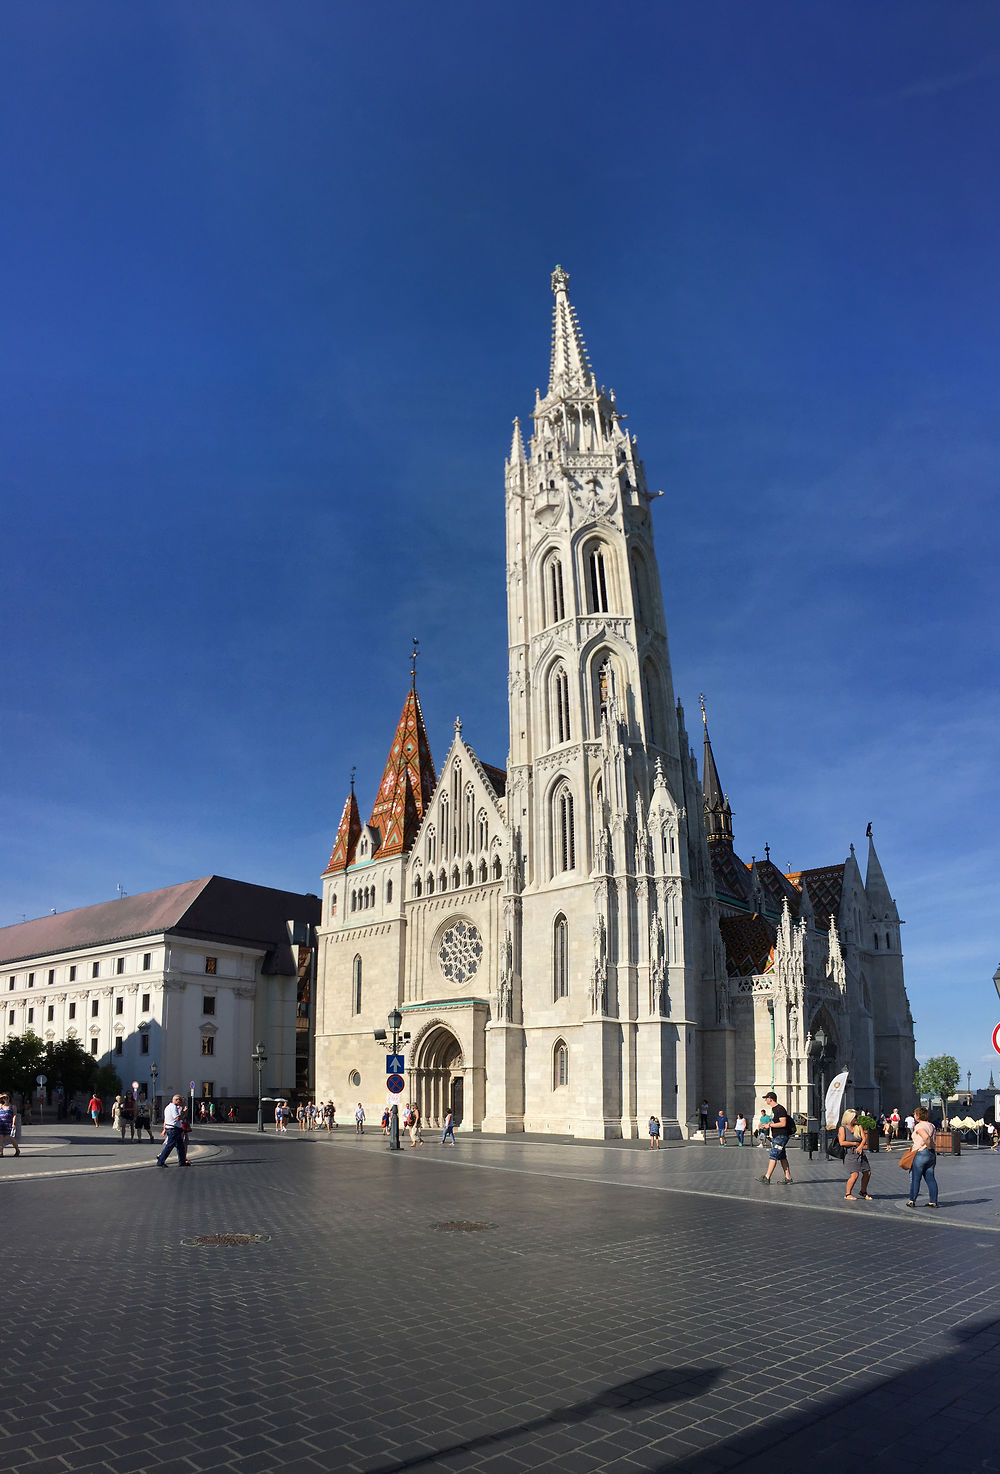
(780,1131)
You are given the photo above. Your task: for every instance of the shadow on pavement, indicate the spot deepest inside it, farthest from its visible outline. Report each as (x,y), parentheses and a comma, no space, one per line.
(939,1416)
(655,1389)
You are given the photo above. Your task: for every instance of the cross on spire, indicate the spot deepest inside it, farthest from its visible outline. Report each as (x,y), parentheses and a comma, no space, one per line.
(413,663)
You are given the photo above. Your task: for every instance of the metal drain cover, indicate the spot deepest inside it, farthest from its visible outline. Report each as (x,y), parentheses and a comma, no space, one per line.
(225,1240)
(462,1226)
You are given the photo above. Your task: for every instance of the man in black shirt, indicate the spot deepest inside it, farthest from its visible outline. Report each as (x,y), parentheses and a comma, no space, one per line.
(780,1131)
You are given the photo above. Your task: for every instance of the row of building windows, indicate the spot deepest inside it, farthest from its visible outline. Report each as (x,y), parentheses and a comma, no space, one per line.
(207,1006)
(470,876)
(211,967)
(600,584)
(362,899)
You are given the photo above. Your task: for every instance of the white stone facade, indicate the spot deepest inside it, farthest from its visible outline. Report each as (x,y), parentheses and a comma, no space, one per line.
(551,934)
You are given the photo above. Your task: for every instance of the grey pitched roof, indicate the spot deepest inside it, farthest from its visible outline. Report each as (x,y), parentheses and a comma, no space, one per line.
(212,909)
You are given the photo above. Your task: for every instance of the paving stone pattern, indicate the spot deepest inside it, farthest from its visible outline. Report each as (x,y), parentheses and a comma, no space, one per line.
(606,1321)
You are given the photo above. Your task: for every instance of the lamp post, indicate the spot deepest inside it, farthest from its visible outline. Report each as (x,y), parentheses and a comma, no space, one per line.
(820,1042)
(260,1060)
(153,1072)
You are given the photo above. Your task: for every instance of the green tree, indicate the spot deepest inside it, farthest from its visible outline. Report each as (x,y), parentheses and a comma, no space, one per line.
(21,1059)
(939,1076)
(107,1081)
(68,1064)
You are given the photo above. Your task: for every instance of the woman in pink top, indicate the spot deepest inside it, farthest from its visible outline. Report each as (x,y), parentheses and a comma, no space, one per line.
(923,1162)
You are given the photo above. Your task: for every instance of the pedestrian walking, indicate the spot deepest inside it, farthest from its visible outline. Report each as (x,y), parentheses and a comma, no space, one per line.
(722,1125)
(359,1120)
(740,1128)
(416,1136)
(119,1122)
(909,1126)
(886,1121)
(781,1127)
(8,1125)
(924,1159)
(449,1129)
(764,1129)
(703,1116)
(328,1116)
(174,1133)
(385,1122)
(128,1109)
(143,1119)
(654,1134)
(94,1107)
(854,1139)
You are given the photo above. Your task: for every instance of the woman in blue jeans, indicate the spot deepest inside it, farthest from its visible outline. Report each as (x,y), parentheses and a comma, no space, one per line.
(923,1162)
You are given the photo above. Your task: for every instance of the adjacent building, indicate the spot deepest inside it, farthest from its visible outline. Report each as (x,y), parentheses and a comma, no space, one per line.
(186,979)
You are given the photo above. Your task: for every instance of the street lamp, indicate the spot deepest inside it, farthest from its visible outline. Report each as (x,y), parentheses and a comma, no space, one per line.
(153,1072)
(260,1060)
(996,980)
(820,1042)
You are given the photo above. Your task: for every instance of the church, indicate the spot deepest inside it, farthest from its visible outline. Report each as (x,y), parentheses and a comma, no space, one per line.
(572,941)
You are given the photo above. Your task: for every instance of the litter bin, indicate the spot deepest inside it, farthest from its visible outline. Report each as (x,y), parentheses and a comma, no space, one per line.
(809,1141)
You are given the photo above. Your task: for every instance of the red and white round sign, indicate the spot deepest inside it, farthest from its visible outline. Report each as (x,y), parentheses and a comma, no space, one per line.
(996,1038)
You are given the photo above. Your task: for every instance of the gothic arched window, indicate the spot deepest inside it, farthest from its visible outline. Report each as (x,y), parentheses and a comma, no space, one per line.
(553,597)
(563,830)
(560,957)
(431,845)
(430,885)
(356,986)
(497,868)
(595,573)
(482,871)
(469,876)
(417,886)
(559,706)
(560,1064)
(388,891)
(484,830)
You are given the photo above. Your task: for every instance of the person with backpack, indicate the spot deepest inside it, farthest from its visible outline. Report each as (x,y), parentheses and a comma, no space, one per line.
(782,1127)
(654,1134)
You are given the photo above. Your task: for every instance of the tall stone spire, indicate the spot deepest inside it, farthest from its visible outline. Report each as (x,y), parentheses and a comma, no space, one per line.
(876,888)
(407,782)
(569,367)
(718,814)
(516,446)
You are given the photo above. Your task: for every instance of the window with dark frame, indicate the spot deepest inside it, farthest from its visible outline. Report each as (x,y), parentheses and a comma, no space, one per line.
(119,1005)
(94,1007)
(52,976)
(120,966)
(72,974)
(211,965)
(93,1046)
(72,1010)
(208,1003)
(95,970)
(119,1045)
(208,1044)
(31,979)
(145,1003)
(143,1043)
(52,1012)
(147,961)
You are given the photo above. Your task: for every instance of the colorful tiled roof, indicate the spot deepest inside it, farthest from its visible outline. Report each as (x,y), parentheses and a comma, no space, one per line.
(348,835)
(732,878)
(777,887)
(407,782)
(749,943)
(825,886)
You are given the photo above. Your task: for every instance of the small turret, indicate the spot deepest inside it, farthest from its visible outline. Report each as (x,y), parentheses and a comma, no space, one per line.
(718,814)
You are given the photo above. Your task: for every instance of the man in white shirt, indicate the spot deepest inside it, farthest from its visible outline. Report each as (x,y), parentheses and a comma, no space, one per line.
(173,1133)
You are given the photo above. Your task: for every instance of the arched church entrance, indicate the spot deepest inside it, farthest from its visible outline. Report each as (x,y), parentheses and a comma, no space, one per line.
(437,1079)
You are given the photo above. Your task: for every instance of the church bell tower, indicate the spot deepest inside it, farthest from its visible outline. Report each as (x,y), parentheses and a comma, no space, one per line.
(609,912)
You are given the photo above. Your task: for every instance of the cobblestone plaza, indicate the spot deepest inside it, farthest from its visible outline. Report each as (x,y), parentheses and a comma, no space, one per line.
(499,1307)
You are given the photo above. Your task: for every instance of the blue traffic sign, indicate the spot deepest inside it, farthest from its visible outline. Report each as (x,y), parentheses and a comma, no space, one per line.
(394,1064)
(395,1084)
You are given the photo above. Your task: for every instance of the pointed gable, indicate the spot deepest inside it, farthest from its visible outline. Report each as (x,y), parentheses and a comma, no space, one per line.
(407,782)
(348,835)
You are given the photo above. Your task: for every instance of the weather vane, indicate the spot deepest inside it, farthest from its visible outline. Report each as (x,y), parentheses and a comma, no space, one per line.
(413,663)
(704,717)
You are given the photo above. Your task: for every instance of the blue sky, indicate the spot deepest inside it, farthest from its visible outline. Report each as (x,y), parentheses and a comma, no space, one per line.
(276,285)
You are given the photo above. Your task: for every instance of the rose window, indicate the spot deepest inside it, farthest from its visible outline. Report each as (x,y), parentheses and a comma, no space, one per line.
(460,952)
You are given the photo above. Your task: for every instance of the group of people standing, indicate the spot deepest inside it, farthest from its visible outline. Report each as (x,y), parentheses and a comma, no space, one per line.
(314,1114)
(131,1115)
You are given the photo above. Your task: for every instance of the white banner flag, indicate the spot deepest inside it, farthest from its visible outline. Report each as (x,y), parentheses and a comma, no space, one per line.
(835,1098)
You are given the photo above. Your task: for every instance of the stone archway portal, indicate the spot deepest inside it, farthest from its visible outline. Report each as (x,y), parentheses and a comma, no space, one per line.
(437,1077)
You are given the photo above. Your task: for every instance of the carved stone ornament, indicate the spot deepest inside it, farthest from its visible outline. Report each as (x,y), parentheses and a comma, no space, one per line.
(460,952)
(595,497)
